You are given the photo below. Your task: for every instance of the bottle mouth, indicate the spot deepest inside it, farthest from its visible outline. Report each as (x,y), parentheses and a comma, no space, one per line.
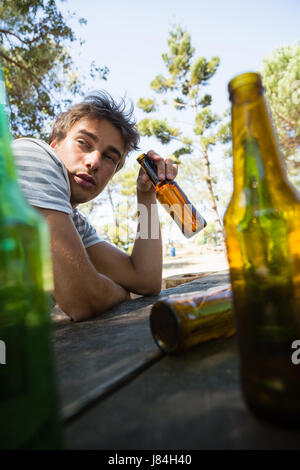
(250,78)
(165,327)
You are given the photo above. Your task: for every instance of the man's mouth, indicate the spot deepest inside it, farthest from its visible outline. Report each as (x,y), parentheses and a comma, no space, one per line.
(85,180)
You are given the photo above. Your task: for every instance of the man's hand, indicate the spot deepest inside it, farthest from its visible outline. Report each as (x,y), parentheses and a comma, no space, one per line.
(166,169)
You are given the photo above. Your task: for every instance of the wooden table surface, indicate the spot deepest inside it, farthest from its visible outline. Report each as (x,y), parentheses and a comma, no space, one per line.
(118,391)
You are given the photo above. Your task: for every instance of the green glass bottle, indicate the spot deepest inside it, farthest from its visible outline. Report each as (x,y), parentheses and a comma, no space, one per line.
(262,225)
(28,398)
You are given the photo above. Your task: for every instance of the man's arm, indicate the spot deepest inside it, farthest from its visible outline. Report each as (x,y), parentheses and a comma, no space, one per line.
(141,272)
(80,290)
(90,281)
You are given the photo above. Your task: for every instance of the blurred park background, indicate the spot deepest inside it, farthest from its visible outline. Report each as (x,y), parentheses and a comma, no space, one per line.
(173,61)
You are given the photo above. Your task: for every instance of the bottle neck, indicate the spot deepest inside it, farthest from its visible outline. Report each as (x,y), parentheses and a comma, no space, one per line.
(255,149)
(149,167)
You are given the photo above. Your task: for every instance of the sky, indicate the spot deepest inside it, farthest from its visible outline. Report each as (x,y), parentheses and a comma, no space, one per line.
(129,36)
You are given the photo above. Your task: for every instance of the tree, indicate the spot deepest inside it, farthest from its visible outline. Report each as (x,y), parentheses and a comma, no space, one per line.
(185,83)
(39,73)
(281,80)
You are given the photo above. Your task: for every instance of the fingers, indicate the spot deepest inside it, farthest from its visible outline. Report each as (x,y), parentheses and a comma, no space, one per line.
(171,169)
(142,176)
(144,183)
(159,162)
(166,169)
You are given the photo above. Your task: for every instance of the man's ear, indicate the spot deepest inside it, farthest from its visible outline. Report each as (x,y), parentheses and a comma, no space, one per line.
(53,143)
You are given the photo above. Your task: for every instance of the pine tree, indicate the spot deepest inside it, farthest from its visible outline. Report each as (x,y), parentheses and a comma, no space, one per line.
(281,80)
(185,84)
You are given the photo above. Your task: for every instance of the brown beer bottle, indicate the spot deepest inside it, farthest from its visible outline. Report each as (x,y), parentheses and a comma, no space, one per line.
(262,225)
(173,199)
(179,322)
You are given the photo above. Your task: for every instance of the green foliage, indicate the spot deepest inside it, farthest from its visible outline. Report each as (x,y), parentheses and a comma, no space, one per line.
(224,133)
(40,75)
(205,101)
(281,80)
(161,84)
(147,105)
(209,141)
(205,119)
(203,70)
(181,151)
(181,52)
(158,128)
(179,103)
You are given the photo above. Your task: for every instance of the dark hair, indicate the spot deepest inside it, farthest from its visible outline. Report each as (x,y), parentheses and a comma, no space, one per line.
(100,105)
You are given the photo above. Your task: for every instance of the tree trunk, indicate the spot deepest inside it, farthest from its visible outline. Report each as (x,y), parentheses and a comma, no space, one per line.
(115,216)
(213,205)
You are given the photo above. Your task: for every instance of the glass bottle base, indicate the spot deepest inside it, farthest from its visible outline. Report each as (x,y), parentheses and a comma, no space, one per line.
(277,406)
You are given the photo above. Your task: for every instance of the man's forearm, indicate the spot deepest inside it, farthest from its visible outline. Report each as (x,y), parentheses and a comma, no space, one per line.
(104,295)
(79,289)
(147,250)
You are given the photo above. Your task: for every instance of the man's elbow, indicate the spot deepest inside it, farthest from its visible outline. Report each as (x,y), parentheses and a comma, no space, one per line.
(85,310)
(78,311)
(78,314)
(153,288)
(155,291)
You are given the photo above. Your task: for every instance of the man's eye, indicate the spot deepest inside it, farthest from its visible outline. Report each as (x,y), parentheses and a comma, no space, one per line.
(83,143)
(109,157)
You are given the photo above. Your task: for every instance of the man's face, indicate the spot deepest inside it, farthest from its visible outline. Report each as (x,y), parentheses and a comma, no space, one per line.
(91,152)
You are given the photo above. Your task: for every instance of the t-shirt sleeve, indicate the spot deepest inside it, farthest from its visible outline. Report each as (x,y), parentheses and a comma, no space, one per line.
(41,176)
(86,231)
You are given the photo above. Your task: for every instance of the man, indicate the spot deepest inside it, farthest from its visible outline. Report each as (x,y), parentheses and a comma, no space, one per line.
(87,146)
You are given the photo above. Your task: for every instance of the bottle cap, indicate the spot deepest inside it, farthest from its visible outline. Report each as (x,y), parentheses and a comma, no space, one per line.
(250,78)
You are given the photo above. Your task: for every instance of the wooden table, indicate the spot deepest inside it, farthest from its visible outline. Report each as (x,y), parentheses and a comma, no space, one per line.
(120,392)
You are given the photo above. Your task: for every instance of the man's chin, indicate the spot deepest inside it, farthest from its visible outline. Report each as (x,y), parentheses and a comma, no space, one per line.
(81,195)
(80,198)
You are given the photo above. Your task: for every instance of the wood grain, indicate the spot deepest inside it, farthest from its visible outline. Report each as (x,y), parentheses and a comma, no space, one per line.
(95,357)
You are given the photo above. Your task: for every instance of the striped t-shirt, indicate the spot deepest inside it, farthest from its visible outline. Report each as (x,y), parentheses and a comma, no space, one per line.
(44,181)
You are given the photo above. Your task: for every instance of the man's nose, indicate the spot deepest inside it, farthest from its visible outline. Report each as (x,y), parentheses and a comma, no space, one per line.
(92,160)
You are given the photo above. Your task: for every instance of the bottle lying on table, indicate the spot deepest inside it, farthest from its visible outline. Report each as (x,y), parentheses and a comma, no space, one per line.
(180,322)
(173,199)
